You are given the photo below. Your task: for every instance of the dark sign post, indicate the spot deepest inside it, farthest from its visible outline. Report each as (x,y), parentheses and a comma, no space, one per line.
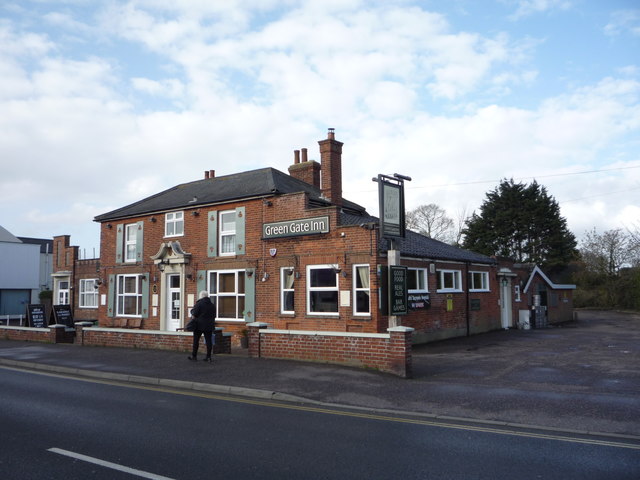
(392,227)
(36,316)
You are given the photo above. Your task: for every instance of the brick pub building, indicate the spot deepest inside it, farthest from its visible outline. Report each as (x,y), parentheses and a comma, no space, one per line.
(286,252)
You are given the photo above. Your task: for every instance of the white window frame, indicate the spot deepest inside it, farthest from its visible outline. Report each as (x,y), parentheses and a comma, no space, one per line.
(287,274)
(361,289)
(130,244)
(239,294)
(419,273)
(484,282)
(456,276)
(311,290)
(122,296)
(222,233)
(175,220)
(88,297)
(516,292)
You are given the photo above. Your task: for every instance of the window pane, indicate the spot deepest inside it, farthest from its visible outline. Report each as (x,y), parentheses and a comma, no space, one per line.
(323,277)
(287,300)
(362,302)
(227,307)
(130,284)
(228,244)
(241,282)
(227,282)
(324,301)
(130,305)
(362,277)
(131,233)
(228,221)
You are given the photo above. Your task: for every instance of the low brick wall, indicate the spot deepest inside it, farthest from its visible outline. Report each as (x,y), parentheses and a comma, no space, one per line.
(50,334)
(389,352)
(148,339)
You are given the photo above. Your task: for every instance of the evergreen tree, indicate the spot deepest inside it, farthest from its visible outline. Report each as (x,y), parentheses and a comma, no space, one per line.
(523,223)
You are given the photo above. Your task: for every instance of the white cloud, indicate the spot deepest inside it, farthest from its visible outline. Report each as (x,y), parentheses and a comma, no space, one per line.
(527,8)
(623,21)
(242,88)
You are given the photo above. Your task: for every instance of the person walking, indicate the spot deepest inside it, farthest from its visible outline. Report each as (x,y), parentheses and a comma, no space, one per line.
(204,316)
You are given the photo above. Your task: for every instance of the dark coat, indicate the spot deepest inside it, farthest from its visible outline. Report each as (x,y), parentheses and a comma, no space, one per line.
(204,313)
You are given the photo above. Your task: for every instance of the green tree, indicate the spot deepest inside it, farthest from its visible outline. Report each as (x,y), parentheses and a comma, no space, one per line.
(521,222)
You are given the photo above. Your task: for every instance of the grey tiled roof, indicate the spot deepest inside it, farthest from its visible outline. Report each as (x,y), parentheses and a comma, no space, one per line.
(253,183)
(417,245)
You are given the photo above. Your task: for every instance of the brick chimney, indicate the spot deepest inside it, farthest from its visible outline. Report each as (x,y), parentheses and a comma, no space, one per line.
(331,171)
(305,170)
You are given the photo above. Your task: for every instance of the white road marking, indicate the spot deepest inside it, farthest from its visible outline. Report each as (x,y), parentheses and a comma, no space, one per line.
(111,465)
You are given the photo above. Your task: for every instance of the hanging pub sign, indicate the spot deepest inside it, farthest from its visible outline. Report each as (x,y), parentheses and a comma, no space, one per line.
(36,316)
(62,315)
(391,204)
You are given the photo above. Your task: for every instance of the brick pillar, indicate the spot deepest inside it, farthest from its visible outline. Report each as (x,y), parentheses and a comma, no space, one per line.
(57,333)
(254,338)
(400,345)
(222,342)
(80,332)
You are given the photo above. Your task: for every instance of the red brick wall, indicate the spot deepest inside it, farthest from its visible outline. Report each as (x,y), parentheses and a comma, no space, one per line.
(156,340)
(437,322)
(389,353)
(52,334)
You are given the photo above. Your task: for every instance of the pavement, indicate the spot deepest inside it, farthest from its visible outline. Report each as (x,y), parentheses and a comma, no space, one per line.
(581,377)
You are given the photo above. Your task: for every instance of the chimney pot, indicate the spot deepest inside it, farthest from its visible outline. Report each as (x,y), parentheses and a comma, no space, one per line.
(331,135)
(206,174)
(212,173)
(304,154)
(296,156)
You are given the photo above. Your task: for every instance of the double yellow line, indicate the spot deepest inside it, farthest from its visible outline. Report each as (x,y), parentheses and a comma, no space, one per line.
(566,437)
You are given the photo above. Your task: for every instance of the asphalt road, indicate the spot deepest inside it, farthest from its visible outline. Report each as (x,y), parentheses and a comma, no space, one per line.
(56,428)
(583,376)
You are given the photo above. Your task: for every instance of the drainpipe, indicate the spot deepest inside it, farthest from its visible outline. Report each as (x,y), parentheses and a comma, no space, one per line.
(468,312)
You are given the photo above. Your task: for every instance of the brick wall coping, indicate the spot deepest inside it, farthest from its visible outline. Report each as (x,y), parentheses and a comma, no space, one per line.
(31,329)
(324,333)
(401,329)
(144,332)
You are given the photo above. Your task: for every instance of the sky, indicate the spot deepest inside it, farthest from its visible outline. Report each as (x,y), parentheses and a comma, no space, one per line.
(105,103)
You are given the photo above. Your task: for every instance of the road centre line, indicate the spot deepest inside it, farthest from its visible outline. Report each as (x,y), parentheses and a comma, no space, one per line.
(104,463)
(371,416)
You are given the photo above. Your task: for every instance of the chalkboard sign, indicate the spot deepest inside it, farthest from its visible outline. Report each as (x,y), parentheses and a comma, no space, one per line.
(36,316)
(398,304)
(62,315)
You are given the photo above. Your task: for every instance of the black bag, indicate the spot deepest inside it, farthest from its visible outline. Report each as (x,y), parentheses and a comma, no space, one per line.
(191,326)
